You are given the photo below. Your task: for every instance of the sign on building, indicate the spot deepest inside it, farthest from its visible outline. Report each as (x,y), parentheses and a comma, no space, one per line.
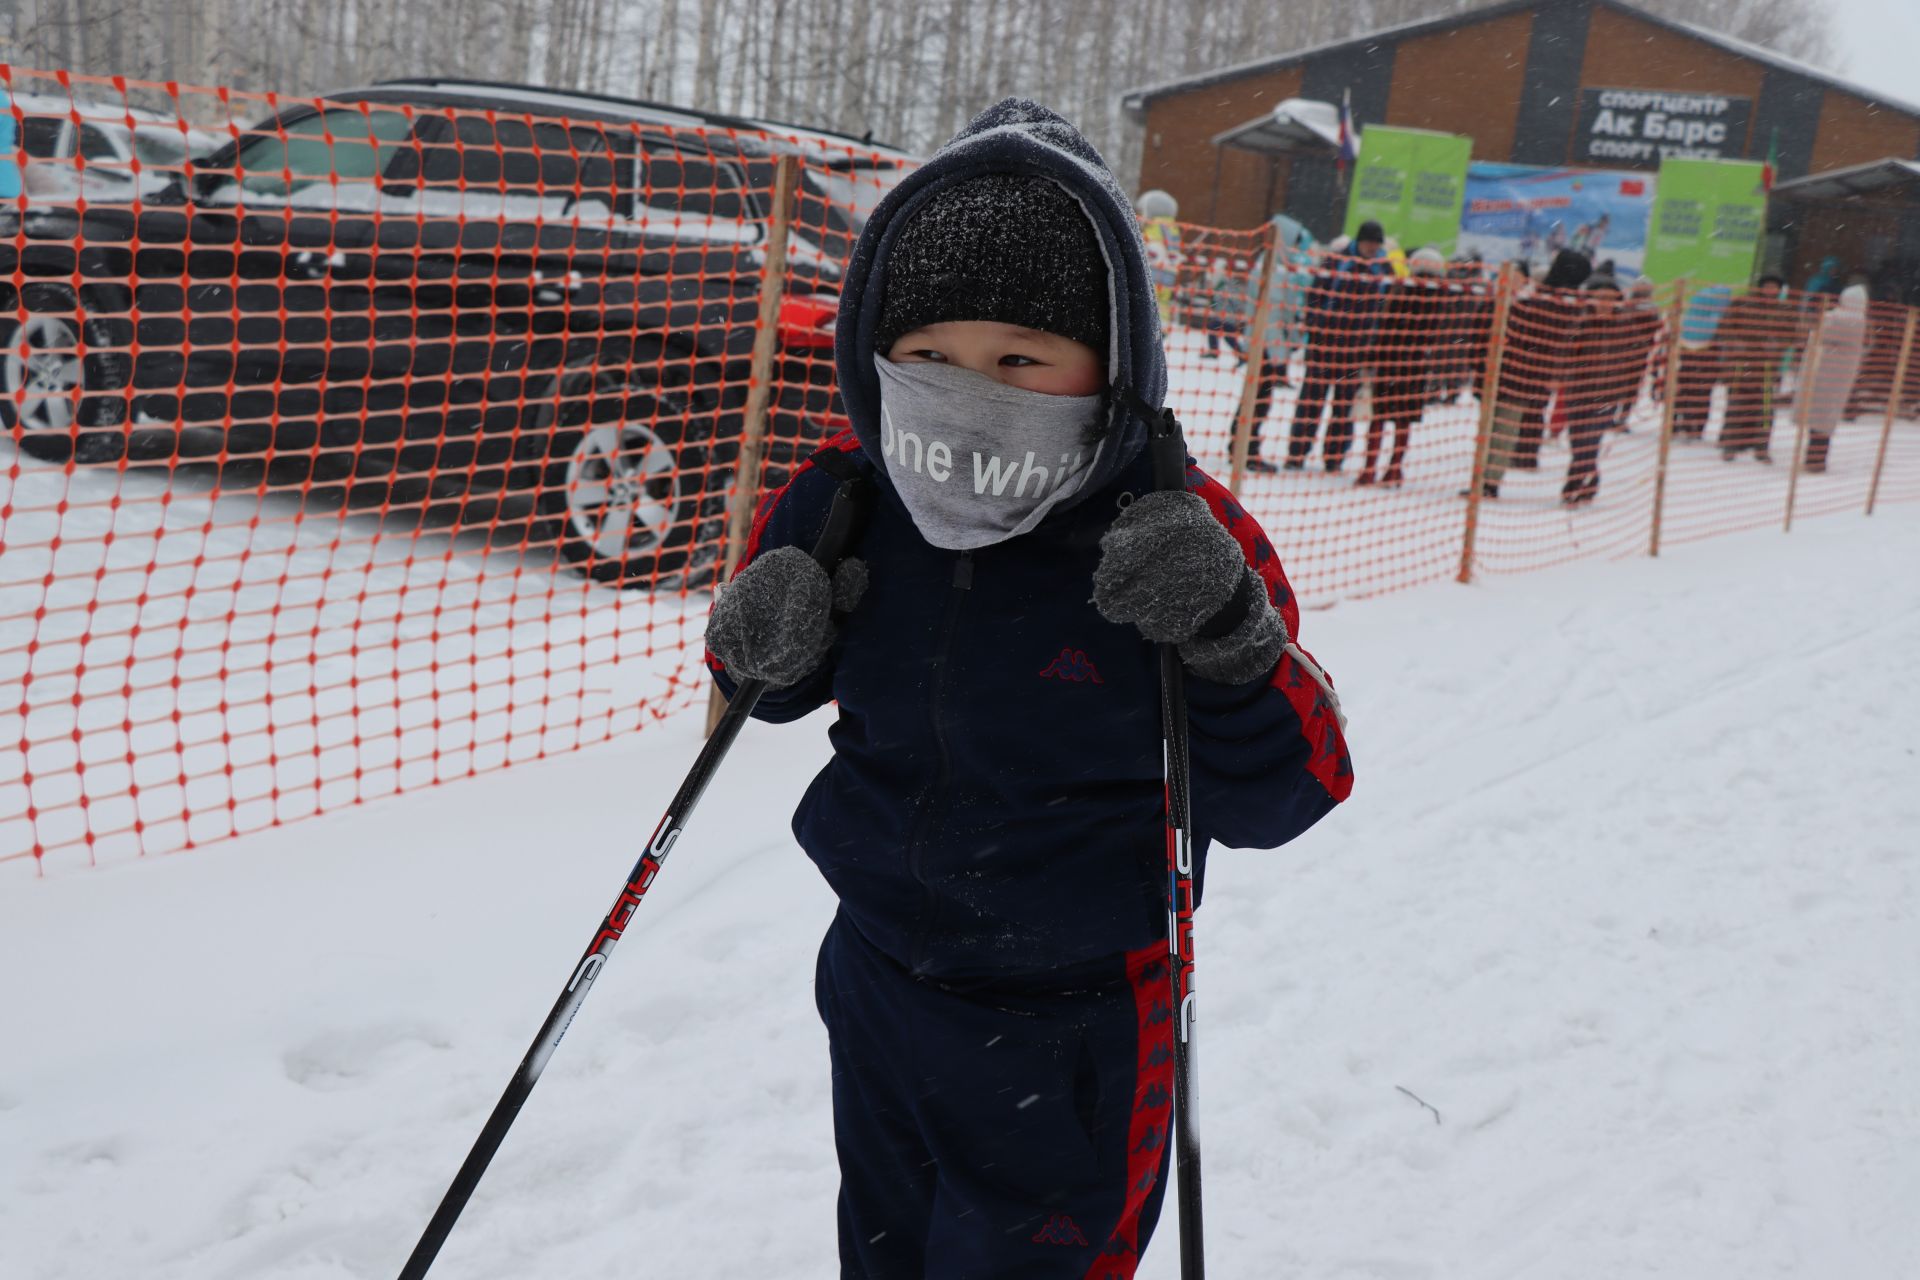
(1410,181)
(1646,126)
(1708,220)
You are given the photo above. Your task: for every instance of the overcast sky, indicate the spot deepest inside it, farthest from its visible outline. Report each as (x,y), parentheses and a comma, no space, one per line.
(1879,45)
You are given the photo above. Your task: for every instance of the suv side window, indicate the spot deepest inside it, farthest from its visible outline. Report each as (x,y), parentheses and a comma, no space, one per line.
(691,182)
(96,145)
(546,168)
(269,165)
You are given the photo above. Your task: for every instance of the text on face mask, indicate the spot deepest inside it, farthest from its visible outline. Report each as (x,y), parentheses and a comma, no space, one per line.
(991,472)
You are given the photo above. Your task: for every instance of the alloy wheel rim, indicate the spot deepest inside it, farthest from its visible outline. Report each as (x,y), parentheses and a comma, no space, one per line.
(620,490)
(43,374)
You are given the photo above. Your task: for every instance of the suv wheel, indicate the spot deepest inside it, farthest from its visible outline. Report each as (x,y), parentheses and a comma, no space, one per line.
(47,396)
(626,491)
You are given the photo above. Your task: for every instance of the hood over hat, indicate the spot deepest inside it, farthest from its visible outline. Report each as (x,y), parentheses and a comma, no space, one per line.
(1014,136)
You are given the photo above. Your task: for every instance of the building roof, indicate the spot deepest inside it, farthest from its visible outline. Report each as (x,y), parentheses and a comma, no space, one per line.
(1879,177)
(1298,124)
(1135,100)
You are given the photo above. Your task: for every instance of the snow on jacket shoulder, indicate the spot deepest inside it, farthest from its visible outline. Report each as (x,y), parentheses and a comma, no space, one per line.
(994,801)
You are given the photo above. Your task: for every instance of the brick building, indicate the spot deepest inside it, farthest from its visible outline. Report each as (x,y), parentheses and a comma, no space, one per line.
(1540,82)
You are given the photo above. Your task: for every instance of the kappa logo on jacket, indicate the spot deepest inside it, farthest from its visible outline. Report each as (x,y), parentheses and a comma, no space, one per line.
(1075,665)
(1060,1229)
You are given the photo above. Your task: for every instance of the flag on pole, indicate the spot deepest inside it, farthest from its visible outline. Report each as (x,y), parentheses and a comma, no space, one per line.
(1349,140)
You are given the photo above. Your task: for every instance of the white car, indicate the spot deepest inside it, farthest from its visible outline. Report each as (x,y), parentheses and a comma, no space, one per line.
(95,156)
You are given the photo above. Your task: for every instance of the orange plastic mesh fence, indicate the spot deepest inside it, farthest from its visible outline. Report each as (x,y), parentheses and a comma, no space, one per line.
(1356,392)
(332,427)
(356,445)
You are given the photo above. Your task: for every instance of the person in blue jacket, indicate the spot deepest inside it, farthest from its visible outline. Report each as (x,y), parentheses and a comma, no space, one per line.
(10,183)
(994,985)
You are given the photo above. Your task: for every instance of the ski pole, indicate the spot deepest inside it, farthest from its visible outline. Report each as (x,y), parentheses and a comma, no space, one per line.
(844,522)
(1169,452)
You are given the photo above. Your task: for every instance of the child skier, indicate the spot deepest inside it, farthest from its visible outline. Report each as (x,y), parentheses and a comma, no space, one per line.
(994,986)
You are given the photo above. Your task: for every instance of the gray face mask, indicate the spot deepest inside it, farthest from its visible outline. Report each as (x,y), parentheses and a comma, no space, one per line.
(975,460)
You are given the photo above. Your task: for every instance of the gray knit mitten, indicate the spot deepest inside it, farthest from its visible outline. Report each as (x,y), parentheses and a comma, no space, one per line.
(1169,569)
(775,620)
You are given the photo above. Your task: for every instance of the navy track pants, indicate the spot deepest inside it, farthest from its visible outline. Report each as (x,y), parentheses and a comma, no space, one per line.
(1013,1131)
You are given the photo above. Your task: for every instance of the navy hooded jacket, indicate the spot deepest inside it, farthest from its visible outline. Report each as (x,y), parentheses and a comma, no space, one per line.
(994,804)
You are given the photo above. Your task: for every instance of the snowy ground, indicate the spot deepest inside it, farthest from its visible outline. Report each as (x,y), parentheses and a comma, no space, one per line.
(1626,894)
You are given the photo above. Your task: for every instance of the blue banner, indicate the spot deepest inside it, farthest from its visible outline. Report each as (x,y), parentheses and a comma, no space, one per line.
(1519,211)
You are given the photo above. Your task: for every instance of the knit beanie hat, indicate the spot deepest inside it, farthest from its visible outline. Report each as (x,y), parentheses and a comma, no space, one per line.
(1008,247)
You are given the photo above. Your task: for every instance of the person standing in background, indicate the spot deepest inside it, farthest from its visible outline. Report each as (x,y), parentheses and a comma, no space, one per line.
(1160,230)
(1755,335)
(1558,311)
(1606,359)
(1286,315)
(1224,305)
(1643,331)
(1540,331)
(1833,363)
(1342,309)
(10,183)
(1700,364)
(1826,279)
(1409,336)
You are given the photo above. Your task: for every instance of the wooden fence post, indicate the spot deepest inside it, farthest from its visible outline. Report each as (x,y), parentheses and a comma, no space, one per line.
(1893,406)
(1666,412)
(753,434)
(1503,288)
(1809,375)
(1256,344)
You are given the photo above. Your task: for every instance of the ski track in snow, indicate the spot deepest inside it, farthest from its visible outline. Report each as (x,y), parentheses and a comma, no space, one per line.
(1626,894)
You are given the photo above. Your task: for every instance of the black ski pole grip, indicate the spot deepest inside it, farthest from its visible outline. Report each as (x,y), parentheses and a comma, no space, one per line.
(1169,450)
(1166,444)
(846,520)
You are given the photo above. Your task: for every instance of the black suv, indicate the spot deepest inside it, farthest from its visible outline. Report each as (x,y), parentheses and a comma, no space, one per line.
(534,309)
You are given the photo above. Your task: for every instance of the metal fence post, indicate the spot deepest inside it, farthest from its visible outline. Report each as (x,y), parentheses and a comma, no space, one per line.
(1256,344)
(1893,406)
(753,434)
(1503,287)
(1672,396)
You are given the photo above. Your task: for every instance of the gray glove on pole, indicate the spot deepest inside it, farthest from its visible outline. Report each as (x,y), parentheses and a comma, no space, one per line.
(1169,569)
(775,620)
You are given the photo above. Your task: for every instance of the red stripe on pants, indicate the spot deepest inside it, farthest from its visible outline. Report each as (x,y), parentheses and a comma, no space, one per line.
(1151,1128)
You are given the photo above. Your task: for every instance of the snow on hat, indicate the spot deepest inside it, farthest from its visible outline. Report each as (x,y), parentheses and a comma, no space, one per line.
(1015,248)
(1428,261)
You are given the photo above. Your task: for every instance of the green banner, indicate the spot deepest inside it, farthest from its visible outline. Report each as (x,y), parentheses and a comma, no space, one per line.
(1413,182)
(1709,218)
